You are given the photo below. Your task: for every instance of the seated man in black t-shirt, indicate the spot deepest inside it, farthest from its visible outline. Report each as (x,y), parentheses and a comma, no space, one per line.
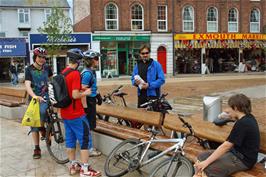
(240,151)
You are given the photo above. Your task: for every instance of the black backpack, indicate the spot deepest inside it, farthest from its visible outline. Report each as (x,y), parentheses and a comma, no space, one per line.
(58,92)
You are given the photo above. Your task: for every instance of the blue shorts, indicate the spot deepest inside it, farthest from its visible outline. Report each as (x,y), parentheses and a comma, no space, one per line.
(77,129)
(43,115)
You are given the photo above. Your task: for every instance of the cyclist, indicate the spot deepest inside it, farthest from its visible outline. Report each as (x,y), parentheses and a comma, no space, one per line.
(91,60)
(240,151)
(148,76)
(36,82)
(75,121)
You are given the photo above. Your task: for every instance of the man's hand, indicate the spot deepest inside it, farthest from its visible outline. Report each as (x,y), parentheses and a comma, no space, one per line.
(145,86)
(137,81)
(200,166)
(87,91)
(39,98)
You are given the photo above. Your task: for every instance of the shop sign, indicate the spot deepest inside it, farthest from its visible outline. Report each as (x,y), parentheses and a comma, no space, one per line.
(121,38)
(12,47)
(220,36)
(75,38)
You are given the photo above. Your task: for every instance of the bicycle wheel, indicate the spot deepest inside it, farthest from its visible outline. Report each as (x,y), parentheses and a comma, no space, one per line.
(180,167)
(55,141)
(123,158)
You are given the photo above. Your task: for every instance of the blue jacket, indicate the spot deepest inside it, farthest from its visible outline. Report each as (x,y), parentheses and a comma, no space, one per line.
(155,78)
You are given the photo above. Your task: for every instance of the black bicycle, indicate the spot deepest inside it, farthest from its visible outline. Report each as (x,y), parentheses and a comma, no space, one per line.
(110,98)
(55,136)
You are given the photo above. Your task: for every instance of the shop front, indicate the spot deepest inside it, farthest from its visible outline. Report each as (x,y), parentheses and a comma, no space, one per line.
(119,53)
(219,52)
(59,61)
(12,49)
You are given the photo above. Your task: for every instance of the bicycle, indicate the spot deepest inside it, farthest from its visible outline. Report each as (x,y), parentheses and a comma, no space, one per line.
(55,136)
(109,98)
(129,155)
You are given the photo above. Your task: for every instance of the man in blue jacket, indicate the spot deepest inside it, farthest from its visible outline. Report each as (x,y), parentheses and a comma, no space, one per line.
(148,76)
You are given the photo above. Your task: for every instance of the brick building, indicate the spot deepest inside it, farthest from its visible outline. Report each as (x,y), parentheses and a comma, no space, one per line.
(213,33)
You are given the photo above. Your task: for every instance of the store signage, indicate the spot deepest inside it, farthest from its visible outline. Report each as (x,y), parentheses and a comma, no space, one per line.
(121,38)
(220,36)
(12,47)
(83,38)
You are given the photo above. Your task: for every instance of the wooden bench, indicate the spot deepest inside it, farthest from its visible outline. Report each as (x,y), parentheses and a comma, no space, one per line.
(212,132)
(202,128)
(12,97)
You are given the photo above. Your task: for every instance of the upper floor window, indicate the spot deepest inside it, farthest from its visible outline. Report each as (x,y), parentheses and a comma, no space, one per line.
(24,15)
(188,19)
(111,17)
(233,20)
(47,13)
(255,21)
(137,22)
(162,18)
(212,20)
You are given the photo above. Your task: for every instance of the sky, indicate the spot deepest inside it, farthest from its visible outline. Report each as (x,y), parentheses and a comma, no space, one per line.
(70,2)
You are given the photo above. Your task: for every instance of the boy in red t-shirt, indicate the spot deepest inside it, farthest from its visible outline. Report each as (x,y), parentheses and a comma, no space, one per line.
(75,121)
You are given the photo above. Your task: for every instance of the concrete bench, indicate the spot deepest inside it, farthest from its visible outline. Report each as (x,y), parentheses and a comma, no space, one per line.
(12,102)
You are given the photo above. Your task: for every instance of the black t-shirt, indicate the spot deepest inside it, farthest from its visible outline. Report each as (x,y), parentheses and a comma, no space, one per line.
(142,71)
(246,139)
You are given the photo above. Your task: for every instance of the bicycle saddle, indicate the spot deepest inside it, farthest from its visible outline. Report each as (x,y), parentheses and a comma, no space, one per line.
(221,122)
(120,94)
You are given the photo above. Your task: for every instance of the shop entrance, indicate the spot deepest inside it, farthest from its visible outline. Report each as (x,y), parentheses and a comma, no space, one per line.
(60,64)
(4,76)
(161,54)
(122,62)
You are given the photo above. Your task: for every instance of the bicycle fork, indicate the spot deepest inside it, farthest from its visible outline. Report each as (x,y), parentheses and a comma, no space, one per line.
(176,156)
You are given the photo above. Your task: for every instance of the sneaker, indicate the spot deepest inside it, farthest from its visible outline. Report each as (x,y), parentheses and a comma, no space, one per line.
(36,154)
(74,168)
(89,173)
(94,152)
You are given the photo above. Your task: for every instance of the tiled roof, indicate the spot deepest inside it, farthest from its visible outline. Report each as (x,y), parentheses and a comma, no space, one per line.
(34,3)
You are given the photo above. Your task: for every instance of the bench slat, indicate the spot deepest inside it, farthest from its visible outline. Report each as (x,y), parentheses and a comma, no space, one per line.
(15,92)
(139,115)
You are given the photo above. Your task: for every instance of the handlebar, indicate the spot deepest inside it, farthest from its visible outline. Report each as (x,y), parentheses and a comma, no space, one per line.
(150,102)
(116,90)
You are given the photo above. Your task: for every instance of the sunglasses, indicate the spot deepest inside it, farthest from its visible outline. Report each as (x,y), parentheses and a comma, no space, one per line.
(144,53)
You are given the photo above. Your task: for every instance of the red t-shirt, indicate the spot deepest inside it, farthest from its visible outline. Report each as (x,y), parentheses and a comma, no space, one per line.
(73,83)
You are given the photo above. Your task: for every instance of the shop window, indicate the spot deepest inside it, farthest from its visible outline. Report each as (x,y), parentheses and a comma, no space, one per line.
(137,22)
(47,13)
(162,18)
(233,20)
(255,21)
(111,17)
(24,16)
(188,19)
(212,20)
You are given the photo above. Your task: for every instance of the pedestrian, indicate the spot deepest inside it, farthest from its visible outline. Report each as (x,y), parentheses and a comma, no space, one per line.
(75,121)
(91,60)
(36,82)
(14,73)
(240,150)
(148,77)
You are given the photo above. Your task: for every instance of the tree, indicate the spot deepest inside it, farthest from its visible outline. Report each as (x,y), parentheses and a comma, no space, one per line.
(58,28)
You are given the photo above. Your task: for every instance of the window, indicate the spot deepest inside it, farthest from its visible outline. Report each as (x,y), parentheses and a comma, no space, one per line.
(24,15)
(188,19)
(162,18)
(233,20)
(212,20)
(24,33)
(137,17)
(255,21)
(47,13)
(111,17)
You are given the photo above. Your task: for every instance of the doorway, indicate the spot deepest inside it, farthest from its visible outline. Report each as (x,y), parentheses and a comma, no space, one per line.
(60,64)
(122,62)
(161,54)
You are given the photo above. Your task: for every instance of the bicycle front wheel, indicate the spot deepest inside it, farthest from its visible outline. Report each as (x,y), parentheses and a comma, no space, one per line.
(177,167)
(124,158)
(55,141)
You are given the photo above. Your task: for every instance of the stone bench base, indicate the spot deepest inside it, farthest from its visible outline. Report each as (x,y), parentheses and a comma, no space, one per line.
(12,112)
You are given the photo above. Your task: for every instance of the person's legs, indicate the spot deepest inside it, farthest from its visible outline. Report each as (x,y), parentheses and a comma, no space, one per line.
(224,166)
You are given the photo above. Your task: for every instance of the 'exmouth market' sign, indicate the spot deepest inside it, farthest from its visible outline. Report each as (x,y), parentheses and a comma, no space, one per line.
(12,47)
(220,36)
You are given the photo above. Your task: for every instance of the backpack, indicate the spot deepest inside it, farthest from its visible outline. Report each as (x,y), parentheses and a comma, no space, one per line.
(58,92)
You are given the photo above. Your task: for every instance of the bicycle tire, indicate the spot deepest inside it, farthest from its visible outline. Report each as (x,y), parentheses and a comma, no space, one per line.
(55,141)
(116,155)
(185,169)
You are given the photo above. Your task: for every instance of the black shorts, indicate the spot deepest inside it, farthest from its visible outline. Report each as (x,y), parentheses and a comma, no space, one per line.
(91,112)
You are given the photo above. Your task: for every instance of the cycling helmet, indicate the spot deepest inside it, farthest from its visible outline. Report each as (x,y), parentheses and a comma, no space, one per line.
(39,51)
(75,54)
(90,54)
